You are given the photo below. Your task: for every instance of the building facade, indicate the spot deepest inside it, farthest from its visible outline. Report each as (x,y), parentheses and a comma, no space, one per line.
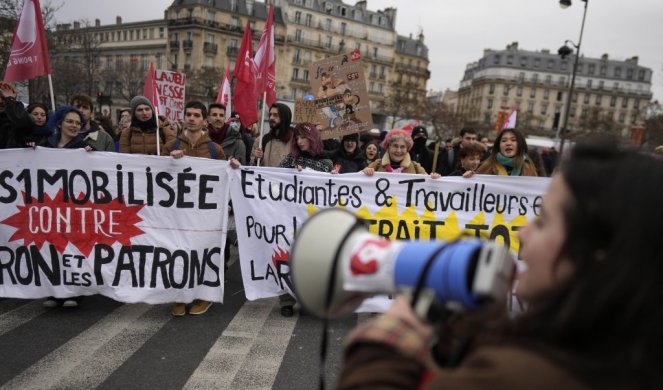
(202,39)
(607,93)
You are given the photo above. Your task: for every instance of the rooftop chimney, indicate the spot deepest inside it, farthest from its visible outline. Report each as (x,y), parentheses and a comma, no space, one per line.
(97,23)
(118,20)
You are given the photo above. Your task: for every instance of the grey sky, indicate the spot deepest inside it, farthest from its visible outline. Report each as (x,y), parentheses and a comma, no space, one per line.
(456,32)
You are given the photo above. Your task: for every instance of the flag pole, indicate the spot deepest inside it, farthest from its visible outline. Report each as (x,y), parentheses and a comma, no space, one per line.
(50,88)
(262,122)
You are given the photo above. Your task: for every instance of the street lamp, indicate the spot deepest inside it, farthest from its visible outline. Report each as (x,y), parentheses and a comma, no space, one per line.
(563,52)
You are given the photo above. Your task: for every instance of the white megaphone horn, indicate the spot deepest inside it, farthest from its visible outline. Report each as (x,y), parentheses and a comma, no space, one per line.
(335,263)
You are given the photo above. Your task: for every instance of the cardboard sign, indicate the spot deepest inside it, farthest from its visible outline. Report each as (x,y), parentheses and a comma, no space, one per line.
(339,87)
(171,86)
(305,111)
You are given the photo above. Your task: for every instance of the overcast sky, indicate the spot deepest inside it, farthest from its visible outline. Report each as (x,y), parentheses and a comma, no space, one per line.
(456,32)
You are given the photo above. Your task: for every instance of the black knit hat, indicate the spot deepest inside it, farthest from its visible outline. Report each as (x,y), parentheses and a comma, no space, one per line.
(419,130)
(354,137)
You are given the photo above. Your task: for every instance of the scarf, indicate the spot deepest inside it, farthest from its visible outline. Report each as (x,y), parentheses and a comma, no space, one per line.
(510,162)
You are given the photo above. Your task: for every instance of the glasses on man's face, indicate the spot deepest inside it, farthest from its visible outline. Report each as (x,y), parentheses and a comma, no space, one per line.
(72,122)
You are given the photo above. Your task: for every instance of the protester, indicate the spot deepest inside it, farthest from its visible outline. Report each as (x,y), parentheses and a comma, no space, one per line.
(469,158)
(419,152)
(593,284)
(397,159)
(448,157)
(348,157)
(16,124)
(371,152)
(66,123)
(275,145)
(39,114)
(141,136)
(217,126)
(305,152)
(194,142)
(232,143)
(508,156)
(95,135)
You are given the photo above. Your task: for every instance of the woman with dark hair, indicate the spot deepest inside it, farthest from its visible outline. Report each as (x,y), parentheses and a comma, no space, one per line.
(39,114)
(306,151)
(397,158)
(348,157)
(508,156)
(593,284)
(371,152)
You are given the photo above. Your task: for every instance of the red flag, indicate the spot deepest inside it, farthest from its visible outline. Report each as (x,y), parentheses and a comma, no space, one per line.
(244,97)
(150,90)
(224,93)
(29,55)
(265,61)
(510,123)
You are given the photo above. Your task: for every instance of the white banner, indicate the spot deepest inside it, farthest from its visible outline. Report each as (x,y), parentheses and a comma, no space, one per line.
(171,86)
(270,204)
(131,227)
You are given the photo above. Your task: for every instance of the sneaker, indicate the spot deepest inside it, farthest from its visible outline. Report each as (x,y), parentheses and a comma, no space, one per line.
(287,311)
(199,307)
(51,302)
(70,303)
(179,309)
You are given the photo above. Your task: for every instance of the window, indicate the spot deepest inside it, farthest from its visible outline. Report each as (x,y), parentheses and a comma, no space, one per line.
(560,96)
(565,65)
(548,79)
(328,24)
(602,70)
(601,84)
(625,102)
(586,99)
(496,59)
(296,58)
(490,104)
(591,69)
(293,94)
(537,62)
(295,73)
(535,78)
(546,94)
(530,107)
(641,75)
(589,83)
(622,117)
(629,74)
(550,64)
(328,42)
(305,75)
(523,62)
(598,100)
(574,98)
(636,104)
(562,80)
(298,35)
(309,20)
(144,61)
(298,17)
(615,86)
(234,22)
(521,77)
(505,90)
(613,101)
(509,60)
(618,72)
(519,91)
(544,109)
(344,27)
(532,93)
(491,89)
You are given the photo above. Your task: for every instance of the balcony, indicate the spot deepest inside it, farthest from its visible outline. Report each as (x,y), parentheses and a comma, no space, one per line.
(210,48)
(187,45)
(299,81)
(296,60)
(174,45)
(232,51)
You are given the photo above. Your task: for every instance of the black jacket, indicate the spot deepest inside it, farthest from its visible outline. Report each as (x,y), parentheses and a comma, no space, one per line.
(16,125)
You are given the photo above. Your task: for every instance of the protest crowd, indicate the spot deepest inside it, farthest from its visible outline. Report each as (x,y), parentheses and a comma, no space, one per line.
(591,253)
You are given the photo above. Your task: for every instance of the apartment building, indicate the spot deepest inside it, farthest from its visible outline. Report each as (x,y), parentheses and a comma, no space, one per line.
(608,90)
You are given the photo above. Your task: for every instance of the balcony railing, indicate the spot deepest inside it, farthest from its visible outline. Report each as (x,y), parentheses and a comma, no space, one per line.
(174,45)
(210,48)
(232,51)
(187,45)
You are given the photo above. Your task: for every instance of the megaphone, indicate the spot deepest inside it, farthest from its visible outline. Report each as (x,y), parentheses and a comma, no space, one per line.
(335,263)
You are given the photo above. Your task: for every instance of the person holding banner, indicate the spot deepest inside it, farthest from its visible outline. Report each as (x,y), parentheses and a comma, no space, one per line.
(95,135)
(275,145)
(141,136)
(15,123)
(508,156)
(306,151)
(397,158)
(593,283)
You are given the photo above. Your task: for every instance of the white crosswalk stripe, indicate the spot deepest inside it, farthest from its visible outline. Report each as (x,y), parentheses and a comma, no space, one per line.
(20,315)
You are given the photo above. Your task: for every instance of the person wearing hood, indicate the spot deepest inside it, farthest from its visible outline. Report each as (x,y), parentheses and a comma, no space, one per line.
(348,158)
(15,123)
(141,136)
(419,153)
(232,144)
(276,144)
(95,135)
(39,114)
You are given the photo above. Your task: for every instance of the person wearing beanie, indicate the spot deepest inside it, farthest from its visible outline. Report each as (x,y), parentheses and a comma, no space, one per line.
(141,136)
(95,135)
(348,158)
(419,152)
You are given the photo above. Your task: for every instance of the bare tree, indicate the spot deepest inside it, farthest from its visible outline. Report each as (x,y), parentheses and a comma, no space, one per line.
(399,104)
(203,84)
(125,79)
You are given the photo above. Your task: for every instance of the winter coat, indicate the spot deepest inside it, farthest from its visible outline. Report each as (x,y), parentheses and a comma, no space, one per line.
(200,149)
(347,163)
(233,146)
(99,139)
(135,141)
(16,125)
(408,165)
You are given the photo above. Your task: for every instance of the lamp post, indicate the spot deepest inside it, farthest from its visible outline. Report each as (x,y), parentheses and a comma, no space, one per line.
(563,52)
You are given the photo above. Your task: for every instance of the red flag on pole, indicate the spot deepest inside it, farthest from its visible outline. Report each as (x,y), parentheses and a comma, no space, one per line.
(150,90)
(510,123)
(224,93)
(244,97)
(265,61)
(29,54)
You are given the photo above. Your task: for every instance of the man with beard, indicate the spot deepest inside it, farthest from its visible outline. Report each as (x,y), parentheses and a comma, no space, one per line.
(217,127)
(194,142)
(275,145)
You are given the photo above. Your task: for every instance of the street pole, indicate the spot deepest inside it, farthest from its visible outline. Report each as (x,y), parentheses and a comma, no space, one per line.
(569,96)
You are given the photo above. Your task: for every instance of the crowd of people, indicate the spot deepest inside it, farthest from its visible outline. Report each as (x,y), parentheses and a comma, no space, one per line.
(594,274)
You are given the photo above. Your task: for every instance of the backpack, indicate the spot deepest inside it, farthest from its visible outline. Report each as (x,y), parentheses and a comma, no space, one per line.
(210,146)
